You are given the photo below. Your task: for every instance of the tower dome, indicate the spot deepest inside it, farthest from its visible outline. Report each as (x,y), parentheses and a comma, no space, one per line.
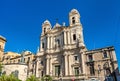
(74,17)
(73,12)
(46,26)
(46,22)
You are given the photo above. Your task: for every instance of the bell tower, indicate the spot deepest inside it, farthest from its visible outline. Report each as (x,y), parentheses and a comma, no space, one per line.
(2,45)
(46,26)
(74,18)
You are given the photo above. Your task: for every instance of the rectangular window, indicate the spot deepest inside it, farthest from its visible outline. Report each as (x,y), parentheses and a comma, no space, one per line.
(105,54)
(24,59)
(92,71)
(18,60)
(42,45)
(57,42)
(44,30)
(76,69)
(42,73)
(14,61)
(90,57)
(41,62)
(74,37)
(57,70)
(76,58)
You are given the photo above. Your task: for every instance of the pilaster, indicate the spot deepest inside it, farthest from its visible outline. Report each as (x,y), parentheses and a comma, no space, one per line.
(50,71)
(48,39)
(37,65)
(83,62)
(65,41)
(70,69)
(66,63)
(47,64)
(68,37)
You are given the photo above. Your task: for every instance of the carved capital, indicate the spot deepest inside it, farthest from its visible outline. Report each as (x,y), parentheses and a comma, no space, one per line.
(47,56)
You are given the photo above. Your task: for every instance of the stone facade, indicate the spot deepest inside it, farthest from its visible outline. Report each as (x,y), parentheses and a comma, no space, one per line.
(64,56)
(26,57)
(2,45)
(19,70)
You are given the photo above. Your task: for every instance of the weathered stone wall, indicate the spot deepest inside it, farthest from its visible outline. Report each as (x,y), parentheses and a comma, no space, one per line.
(21,68)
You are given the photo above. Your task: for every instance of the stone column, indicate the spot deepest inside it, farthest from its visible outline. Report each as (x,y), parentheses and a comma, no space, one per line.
(37,65)
(66,63)
(50,71)
(40,45)
(70,69)
(83,63)
(65,41)
(54,42)
(68,37)
(48,42)
(47,65)
(51,42)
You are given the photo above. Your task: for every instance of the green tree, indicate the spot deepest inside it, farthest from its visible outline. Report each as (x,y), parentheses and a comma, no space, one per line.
(3,78)
(9,78)
(1,69)
(46,78)
(32,78)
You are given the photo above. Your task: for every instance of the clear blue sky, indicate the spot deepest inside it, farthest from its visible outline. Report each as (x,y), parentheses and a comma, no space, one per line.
(21,20)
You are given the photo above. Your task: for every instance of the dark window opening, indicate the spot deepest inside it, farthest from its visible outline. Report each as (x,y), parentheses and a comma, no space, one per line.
(57,42)
(42,45)
(105,54)
(42,73)
(57,70)
(73,20)
(108,72)
(92,70)
(90,57)
(76,58)
(76,69)
(41,62)
(24,59)
(44,30)
(74,37)
(14,61)
(28,58)
(18,60)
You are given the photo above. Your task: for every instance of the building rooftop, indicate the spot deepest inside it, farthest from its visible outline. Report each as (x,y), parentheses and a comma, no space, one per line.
(3,38)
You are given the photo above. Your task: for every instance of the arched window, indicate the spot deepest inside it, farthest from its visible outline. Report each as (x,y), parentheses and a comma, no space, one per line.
(74,37)
(44,30)
(73,20)
(42,45)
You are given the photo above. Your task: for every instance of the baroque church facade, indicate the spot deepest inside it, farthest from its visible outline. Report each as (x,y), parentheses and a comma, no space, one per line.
(64,56)
(61,47)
